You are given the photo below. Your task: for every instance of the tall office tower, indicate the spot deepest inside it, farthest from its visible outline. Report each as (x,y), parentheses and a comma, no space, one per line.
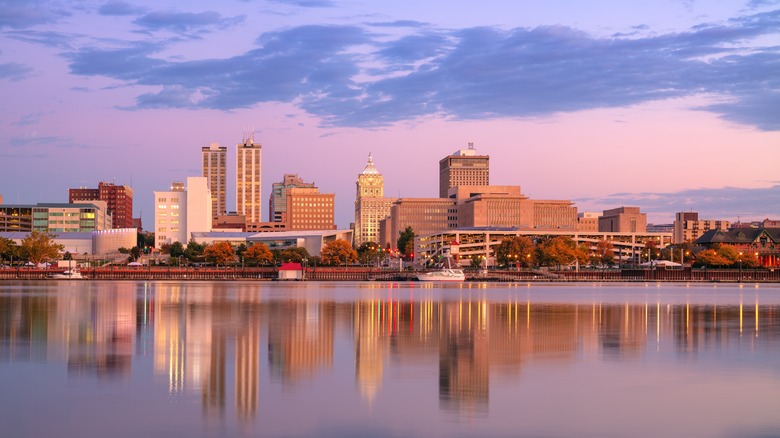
(371,206)
(214,169)
(277,203)
(249,179)
(119,200)
(463,168)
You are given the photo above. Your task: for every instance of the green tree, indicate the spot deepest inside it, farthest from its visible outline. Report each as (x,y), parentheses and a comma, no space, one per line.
(40,247)
(368,252)
(175,249)
(194,250)
(517,249)
(240,251)
(338,252)
(406,243)
(258,253)
(220,253)
(135,253)
(296,254)
(67,256)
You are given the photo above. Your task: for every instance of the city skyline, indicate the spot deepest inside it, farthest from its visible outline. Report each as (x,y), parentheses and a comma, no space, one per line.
(669,107)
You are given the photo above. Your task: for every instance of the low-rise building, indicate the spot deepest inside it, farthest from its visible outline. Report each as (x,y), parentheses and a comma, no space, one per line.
(763,244)
(688,227)
(55,218)
(623,220)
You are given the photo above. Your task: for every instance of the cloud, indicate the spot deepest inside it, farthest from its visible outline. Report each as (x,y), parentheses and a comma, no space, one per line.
(398,23)
(185,22)
(53,39)
(308,3)
(348,76)
(14,71)
(20,14)
(29,119)
(119,8)
(712,203)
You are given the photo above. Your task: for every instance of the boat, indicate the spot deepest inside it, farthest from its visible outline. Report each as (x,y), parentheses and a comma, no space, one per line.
(69,274)
(448,271)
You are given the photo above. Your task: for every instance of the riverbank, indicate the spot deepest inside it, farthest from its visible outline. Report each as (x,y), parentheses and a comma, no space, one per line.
(374,274)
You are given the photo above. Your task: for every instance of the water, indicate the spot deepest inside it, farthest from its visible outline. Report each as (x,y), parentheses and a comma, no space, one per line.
(160,359)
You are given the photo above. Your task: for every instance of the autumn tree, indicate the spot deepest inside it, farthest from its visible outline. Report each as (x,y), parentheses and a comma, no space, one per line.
(220,253)
(258,254)
(605,252)
(8,249)
(557,251)
(40,247)
(338,252)
(710,257)
(517,249)
(406,243)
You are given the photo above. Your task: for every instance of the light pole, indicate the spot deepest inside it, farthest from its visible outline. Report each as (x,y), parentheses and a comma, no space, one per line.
(740,267)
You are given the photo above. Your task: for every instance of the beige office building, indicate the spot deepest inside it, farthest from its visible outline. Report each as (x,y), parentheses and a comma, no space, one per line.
(623,220)
(308,209)
(214,164)
(249,179)
(371,206)
(463,168)
(688,227)
(182,211)
(424,215)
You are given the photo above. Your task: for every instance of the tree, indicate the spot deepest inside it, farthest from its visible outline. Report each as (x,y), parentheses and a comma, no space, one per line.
(258,253)
(368,251)
(406,243)
(8,249)
(240,251)
(135,253)
(517,249)
(176,249)
(710,257)
(67,256)
(605,252)
(338,252)
(651,246)
(220,253)
(296,254)
(194,250)
(40,247)
(557,251)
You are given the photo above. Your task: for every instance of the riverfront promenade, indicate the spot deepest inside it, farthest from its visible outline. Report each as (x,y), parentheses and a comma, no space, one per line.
(368,274)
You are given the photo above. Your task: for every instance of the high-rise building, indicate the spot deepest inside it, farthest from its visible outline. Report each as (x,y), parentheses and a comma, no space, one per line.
(119,200)
(463,168)
(214,169)
(277,202)
(308,209)
(249,179)
(371,206)
(182,211)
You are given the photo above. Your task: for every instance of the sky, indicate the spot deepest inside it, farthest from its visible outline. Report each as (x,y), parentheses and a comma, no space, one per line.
(668,105)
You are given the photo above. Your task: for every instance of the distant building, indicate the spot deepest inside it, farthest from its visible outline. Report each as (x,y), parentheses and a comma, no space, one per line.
(308,209)
(371,206)
(249,179)
(424,215)
(463,168)
(688,227)
(763,244)
(277,202)
(182,211)
(588,221)
(119,201)
(214,165)
(78,217)
(623,220)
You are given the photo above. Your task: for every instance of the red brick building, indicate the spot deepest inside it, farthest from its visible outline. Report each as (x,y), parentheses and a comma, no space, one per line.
(119,200)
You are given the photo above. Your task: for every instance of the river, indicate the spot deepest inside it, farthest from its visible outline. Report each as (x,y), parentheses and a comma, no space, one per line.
(386,359)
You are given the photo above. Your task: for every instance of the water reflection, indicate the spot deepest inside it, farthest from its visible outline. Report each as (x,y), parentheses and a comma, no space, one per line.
(209,340)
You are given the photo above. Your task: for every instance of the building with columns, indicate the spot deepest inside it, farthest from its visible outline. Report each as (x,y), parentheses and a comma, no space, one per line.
(371,206)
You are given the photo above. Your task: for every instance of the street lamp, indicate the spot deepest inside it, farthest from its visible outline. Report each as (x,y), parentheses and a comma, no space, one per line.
(740,267)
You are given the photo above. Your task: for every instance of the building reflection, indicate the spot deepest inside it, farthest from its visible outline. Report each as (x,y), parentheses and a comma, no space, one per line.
(203,334)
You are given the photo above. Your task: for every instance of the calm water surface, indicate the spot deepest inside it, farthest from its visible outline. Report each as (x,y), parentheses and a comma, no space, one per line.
(160,359)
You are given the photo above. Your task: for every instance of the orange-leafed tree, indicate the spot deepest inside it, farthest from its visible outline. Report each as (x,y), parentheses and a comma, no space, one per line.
(338,252)
(258,254)
(220,253)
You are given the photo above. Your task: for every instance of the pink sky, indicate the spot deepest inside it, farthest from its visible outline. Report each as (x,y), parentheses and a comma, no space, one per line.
(667,107)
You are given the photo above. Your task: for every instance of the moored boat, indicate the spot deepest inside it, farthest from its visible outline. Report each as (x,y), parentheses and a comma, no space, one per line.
(70,274)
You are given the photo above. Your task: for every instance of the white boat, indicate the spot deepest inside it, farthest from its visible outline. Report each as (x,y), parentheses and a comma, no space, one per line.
(448,271)
(70,274)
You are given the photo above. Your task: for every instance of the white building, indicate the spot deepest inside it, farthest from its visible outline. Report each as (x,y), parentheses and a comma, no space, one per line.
(182,211)
(249,180)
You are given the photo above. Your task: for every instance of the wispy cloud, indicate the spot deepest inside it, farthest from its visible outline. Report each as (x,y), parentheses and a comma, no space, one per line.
(20,14)
(14,71)
(308,3)
(349,76)
(119,8)
(29,119)
(185,23)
